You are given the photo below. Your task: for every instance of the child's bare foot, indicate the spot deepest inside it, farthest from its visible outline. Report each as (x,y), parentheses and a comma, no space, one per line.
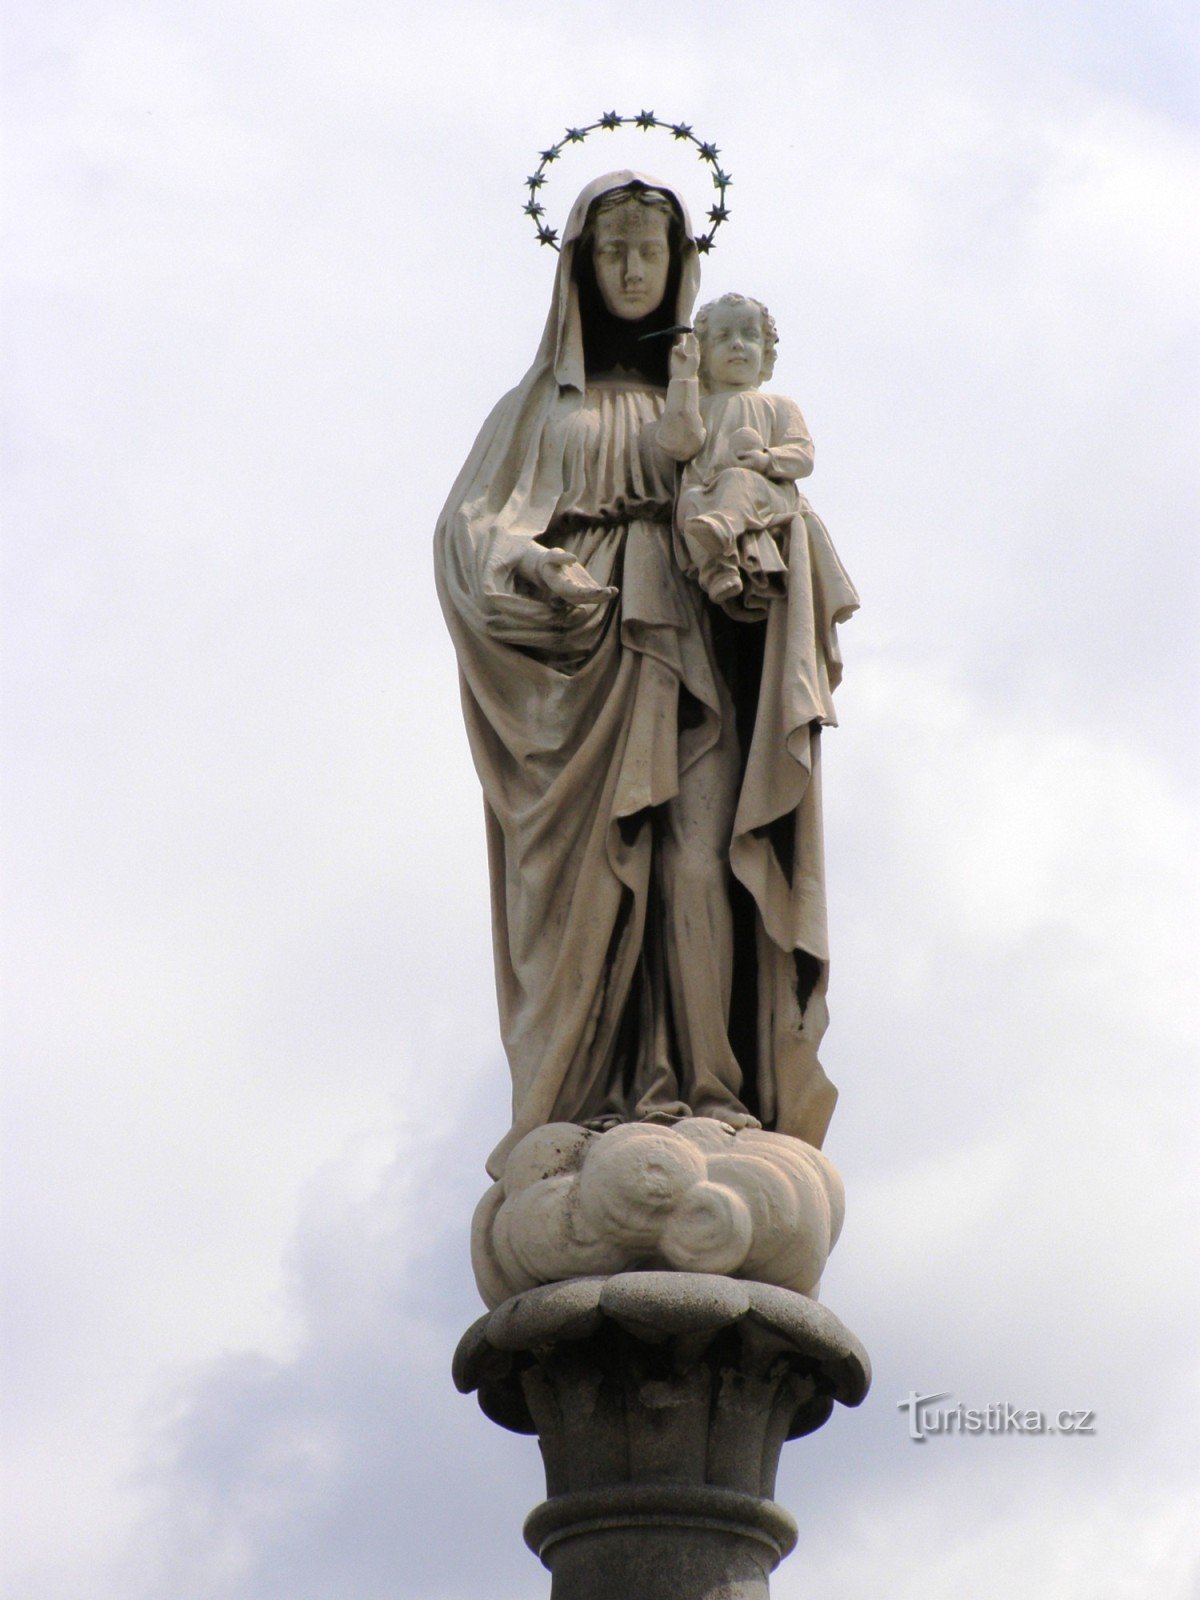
(724,585)
(733,1116)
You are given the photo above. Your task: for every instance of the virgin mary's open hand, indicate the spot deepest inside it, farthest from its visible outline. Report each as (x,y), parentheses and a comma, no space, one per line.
(562,577)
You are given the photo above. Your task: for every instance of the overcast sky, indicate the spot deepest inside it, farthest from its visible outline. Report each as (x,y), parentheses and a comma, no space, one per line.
(266,274)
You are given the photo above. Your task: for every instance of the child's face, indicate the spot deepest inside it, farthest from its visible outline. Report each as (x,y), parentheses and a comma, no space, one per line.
(733,347)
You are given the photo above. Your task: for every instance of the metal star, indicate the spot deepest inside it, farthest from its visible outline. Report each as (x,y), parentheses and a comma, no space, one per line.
(644,120)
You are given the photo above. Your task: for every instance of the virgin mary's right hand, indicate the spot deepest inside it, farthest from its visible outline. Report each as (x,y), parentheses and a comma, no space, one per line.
(562,577)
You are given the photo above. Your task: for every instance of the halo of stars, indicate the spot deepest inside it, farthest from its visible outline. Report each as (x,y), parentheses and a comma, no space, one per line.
(645,121)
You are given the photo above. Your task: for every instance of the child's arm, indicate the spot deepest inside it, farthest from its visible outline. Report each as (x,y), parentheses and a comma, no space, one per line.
(790,453)
(681,428)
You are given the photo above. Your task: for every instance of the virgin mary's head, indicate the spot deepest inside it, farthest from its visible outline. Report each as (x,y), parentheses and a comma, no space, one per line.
(627,269)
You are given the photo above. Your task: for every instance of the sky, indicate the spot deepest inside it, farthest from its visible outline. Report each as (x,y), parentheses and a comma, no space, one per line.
(266,273)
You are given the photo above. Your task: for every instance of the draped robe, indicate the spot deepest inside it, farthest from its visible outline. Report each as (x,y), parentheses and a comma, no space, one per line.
(589,726)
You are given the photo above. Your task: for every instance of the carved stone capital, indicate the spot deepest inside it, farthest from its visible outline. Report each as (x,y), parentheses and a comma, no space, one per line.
(661,1401)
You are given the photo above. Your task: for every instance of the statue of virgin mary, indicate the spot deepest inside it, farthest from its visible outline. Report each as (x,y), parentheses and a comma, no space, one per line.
(650,766)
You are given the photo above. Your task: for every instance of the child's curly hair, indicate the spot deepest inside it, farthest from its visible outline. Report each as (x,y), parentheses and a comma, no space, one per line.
(769,331)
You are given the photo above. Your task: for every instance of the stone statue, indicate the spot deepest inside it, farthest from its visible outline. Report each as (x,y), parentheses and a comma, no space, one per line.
(650,765)
(648,653)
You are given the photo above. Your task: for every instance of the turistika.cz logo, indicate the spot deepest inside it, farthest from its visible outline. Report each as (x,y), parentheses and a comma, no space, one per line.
(926,1419)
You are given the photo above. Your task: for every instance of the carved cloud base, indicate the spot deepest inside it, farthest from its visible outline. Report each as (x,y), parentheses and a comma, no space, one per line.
(661,1401)
(695,1196)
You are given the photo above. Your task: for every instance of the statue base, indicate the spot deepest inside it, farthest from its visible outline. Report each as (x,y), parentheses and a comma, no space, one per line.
(661,1401)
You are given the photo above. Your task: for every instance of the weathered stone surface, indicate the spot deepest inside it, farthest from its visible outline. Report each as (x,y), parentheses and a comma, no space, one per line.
(802,1324)
(660,1542)
(557,1311)
(661,1401)
(666,1303)
(698,1197)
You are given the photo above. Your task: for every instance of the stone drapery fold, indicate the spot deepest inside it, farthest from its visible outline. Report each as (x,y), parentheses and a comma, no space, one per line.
(586,724)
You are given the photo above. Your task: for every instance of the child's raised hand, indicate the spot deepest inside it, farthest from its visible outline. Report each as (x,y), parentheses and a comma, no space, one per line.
(685,356)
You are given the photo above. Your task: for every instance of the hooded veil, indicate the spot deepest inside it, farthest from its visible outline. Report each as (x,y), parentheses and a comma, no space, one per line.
(584,721)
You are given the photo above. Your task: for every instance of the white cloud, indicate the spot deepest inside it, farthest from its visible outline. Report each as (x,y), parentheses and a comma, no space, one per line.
(1139,1543)
(1007,825)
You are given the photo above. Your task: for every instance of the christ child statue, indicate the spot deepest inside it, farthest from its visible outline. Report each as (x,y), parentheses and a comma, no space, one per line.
(742,452)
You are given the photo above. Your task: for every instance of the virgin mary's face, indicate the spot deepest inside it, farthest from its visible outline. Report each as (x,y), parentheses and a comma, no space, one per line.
(631,254)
